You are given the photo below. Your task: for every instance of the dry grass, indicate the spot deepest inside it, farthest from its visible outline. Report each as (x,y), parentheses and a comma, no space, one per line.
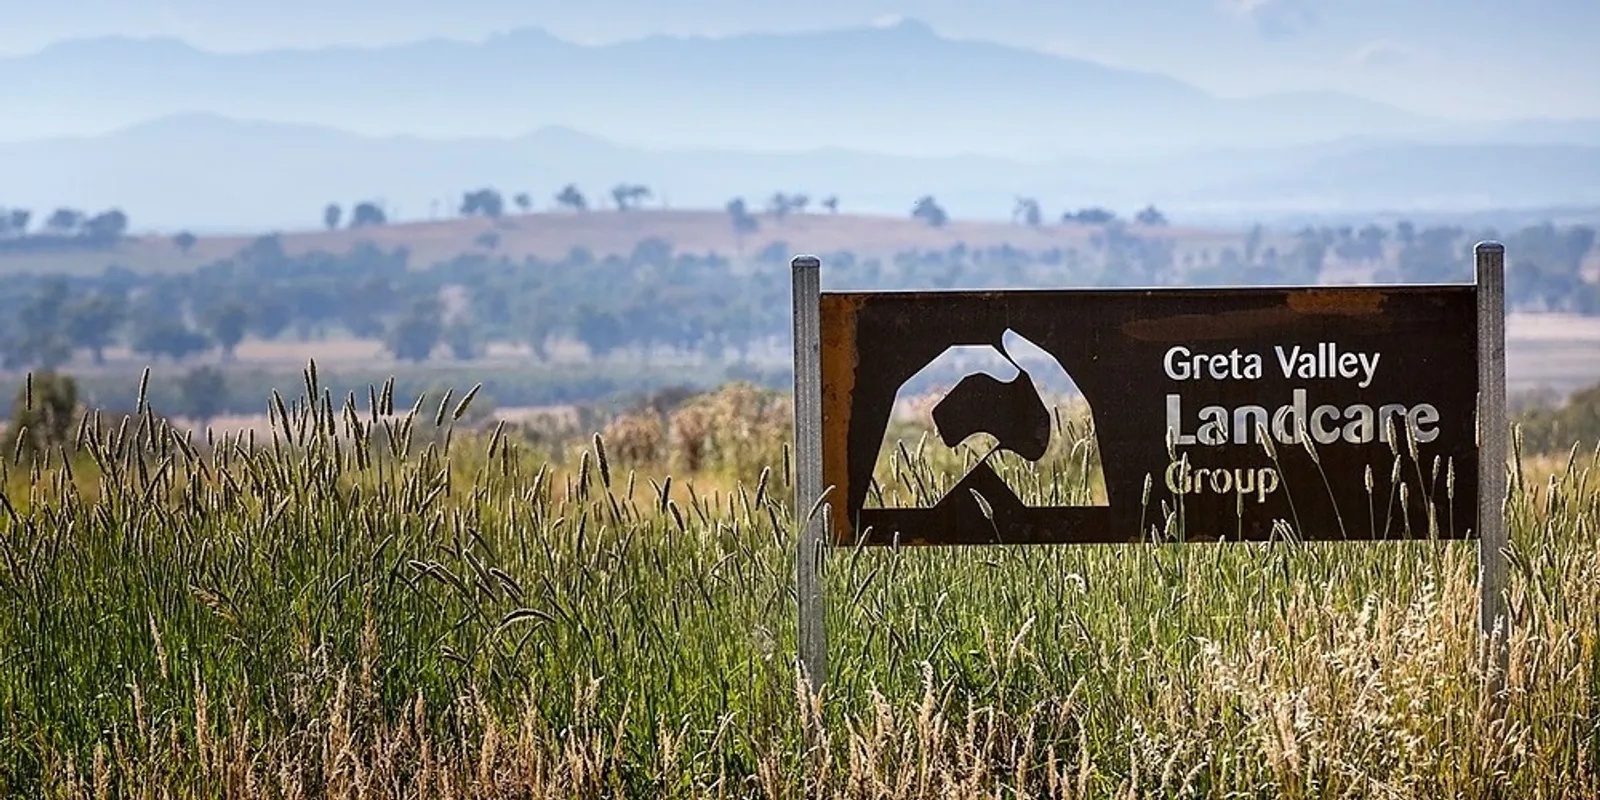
(914,468)
(374,605)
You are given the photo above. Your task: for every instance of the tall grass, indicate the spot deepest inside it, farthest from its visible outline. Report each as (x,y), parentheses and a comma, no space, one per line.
(915,468)
(372,603)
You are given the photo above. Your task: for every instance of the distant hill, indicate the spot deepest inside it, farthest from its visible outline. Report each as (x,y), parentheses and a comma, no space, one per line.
(895,89)
(1417,177)
(554,234)
(205,172)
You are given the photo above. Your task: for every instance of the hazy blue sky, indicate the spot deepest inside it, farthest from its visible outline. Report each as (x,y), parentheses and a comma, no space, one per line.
(1460,58)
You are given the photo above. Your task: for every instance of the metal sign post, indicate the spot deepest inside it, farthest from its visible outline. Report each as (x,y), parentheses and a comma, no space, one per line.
(1491,280)
(807,290)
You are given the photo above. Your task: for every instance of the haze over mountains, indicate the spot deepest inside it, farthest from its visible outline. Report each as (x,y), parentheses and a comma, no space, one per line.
(179,136)
(212,173)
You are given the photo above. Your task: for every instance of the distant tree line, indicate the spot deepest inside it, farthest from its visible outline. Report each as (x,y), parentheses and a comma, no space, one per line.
(486,202)
(63,228)
(655,299)
(491,203)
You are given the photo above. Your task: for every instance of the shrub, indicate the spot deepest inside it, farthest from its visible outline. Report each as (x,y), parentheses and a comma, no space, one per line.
(636,438)
(44,415)
(736,428)
(1547,428)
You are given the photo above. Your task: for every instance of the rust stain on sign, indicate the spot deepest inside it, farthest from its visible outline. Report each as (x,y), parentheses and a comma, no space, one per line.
(839,361)
(1344,302)
(1292,309)
(1199,327)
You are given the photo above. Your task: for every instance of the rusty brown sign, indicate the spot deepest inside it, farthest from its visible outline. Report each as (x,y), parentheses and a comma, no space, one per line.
(1217,414)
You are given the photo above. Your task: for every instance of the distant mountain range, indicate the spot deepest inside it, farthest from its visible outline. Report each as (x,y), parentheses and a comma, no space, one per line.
(185,138)
(899,89)
(210,173)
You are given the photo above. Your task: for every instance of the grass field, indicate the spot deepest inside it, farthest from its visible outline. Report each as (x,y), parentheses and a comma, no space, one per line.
(370,605)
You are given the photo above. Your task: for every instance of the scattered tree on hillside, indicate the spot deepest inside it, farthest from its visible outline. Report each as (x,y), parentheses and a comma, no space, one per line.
(651,251)
(64,222)
(1090,216)
(14,222)
(416,334)
(629,195)
(227,323)
(831,202)
(1252,244)
(367,213)
(270,314)
(571,198)
(743,221)
(156,332)
(92,323)
(928,210)
(1363,245)
(1435,256)
(1546,267)
(1372,238)
(1027,211)
(462,341)
(103,229)
(39,337)
(331,216)
(360,311)
(524,202)
(535,325)
(487,240)
(1309,256)
(1150,216)
(263,252)
(781,204)
(600,330)
(483,202)
(106,227)
(184,241)
(203,393)
(778,205)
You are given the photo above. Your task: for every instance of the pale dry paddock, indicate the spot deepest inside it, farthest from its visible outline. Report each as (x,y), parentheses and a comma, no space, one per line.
(554,234)
(404,617)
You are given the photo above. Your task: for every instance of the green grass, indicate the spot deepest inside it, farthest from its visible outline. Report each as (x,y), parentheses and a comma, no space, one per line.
(369,607)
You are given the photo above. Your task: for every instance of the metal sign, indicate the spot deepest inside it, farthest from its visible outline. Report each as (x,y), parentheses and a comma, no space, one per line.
(1329,413)
(1246,409)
